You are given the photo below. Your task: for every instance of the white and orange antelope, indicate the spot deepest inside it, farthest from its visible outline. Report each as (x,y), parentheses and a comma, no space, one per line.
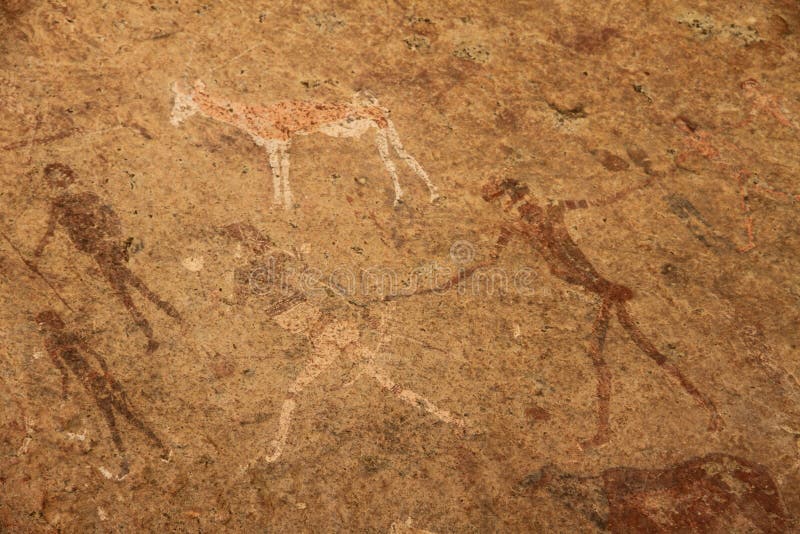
(273,126)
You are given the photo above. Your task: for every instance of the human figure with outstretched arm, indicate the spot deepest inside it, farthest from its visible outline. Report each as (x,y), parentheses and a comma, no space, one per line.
(544,228)
(333,341)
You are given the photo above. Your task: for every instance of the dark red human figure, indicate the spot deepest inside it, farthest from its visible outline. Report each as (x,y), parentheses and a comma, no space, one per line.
(544,228)
(94,228)
(66,349)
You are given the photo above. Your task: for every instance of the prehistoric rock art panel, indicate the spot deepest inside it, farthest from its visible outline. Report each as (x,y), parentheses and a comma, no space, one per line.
(713,493)
(95,229)
(66,350)
(274,126)
(545,229)
(333,340)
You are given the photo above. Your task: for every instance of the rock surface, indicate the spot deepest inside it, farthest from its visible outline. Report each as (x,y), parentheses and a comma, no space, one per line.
(399,266)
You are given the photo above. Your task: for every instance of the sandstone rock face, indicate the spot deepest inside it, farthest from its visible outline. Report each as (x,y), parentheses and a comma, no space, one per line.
(399,266)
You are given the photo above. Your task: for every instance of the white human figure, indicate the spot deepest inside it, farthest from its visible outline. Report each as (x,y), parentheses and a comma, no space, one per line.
(273,127)
(334,340)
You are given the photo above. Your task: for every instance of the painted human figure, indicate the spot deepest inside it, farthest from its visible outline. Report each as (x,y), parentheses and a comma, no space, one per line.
(544,228)
(94,228)
(764,103)
(66,350)
(731,160)
(333,340)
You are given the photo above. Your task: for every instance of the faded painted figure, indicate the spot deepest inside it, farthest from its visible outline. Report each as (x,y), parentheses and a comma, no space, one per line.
(334,341)
(735,162)
(66,350)
(94,228)
(713,493)
(273,127)
(544,228)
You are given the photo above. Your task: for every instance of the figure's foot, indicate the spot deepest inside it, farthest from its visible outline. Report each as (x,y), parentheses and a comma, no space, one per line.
(716,423)
(398,201)
(124,469)
(435,196)
(170,310)
(152,345)
(747,248)
(269,459)
(276,453)
(597,441)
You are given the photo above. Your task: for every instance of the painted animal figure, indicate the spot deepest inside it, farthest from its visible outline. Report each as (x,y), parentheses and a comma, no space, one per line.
(713,493)
(273,127)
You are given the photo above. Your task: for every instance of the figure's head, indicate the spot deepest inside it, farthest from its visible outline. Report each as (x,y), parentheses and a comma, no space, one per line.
(59,176)
(365,98)
(509,188)
(49,320)
(750,86)
(183,105)
(685,125)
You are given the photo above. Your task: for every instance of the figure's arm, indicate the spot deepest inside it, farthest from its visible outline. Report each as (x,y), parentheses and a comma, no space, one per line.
(97,356)
(619,195)
(51,228)
(115,385)
(506,233)
(62,368)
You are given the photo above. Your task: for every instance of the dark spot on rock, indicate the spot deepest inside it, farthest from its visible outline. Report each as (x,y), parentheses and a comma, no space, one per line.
(593,41)
(638,156)
(709,494)
(575,112)
(534,414)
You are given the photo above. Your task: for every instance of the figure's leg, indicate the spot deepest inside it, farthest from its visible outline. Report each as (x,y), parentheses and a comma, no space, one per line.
(741,178)
(288,201)
(596,347)
(103,402)
(411,397)
(650,350)
(284,423)
(275,166)
(118,400)
(323,357)
(56,358)
(116,280)
(394,138)
(383,152)
(136,282)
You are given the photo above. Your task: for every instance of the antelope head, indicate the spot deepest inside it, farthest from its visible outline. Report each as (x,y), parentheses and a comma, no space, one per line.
(183,105)
(365,98)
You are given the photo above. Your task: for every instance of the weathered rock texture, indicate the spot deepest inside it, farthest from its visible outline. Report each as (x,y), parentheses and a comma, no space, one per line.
(582,314)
